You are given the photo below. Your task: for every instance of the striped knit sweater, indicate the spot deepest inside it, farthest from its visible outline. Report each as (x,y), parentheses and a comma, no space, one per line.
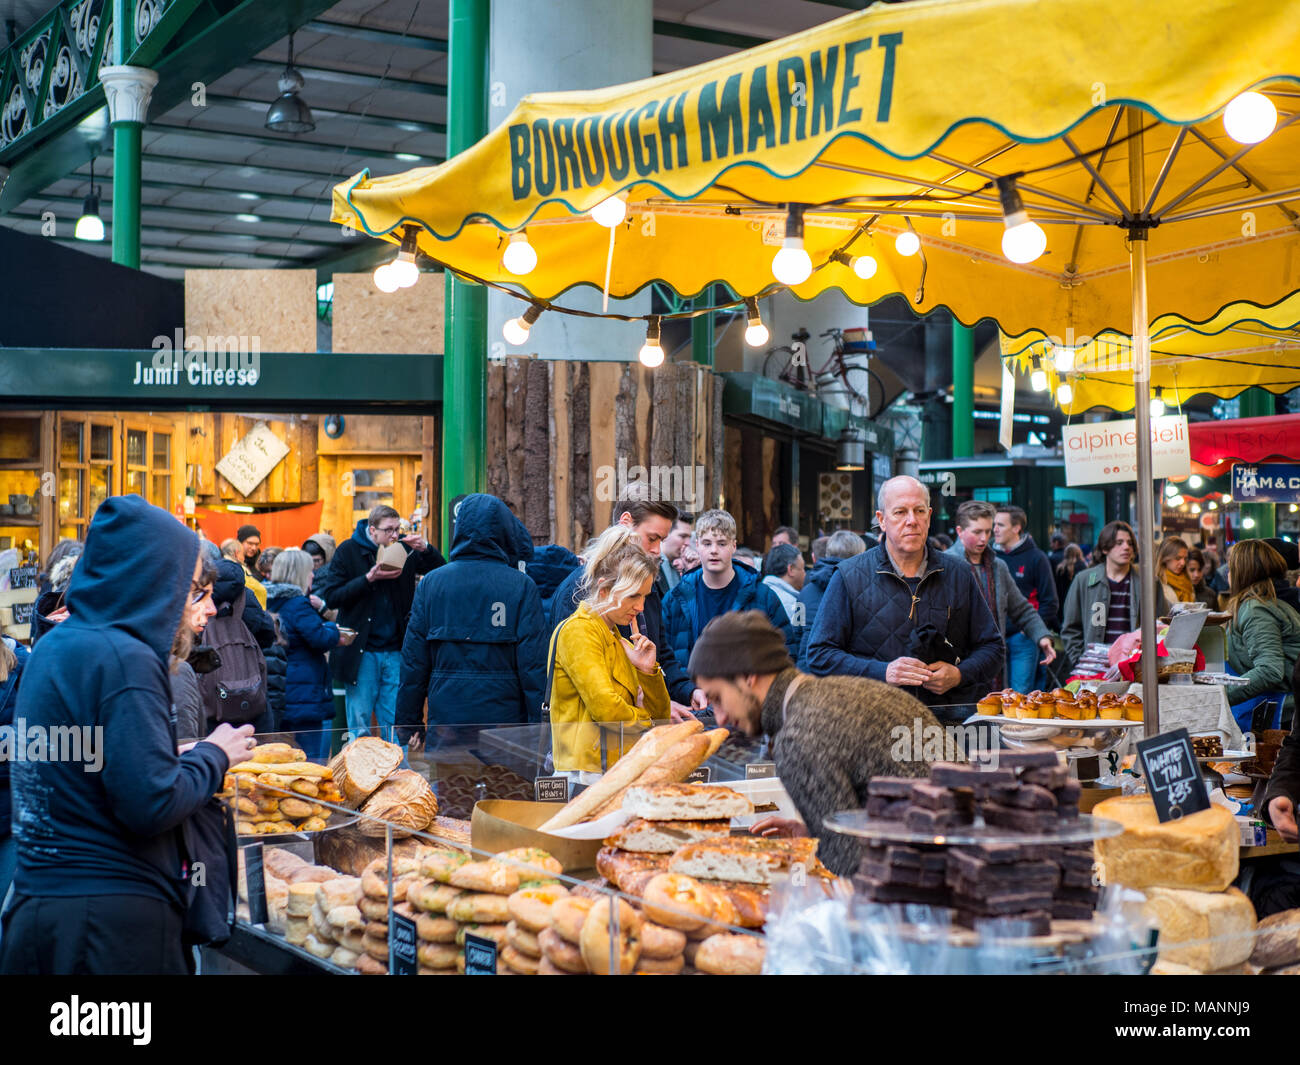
(839,732)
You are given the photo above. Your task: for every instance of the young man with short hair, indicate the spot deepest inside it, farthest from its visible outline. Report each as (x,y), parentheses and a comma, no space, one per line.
(828,735)
(719,587)
(376,602)
(1033,574)
(1102,604)
(974,527)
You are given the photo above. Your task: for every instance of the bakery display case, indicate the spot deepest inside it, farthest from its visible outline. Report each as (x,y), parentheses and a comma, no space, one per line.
(340,862)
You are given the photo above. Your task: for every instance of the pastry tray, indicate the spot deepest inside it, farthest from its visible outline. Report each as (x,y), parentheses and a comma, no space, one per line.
(1054,722)
(1081,829)
(1226,756)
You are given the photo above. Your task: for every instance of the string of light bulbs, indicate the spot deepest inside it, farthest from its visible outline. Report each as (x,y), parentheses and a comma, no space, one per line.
(1249,118)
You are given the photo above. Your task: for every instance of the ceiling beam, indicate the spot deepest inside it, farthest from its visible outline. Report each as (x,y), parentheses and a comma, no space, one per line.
(212,252)
(349,77)
(704,34)
(406,125)
(318,147)
(202,212)
(207,232)
(387,37)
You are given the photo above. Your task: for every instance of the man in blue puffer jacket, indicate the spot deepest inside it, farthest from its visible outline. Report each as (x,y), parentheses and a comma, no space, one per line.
(905,614)
(719,587)
(476,642)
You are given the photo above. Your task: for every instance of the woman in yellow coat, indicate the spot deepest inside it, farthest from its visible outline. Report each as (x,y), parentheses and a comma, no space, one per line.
(602,678)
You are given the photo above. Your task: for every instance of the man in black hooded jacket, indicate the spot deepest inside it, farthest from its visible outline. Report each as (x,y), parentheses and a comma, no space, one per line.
(102,878)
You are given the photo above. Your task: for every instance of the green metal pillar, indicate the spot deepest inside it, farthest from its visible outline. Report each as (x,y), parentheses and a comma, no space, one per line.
(963,391)
(128,90)
(1257,403)
(464,438)
(702,337)
(126,193)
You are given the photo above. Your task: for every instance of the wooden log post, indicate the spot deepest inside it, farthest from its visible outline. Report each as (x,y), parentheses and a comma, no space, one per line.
(516,395)
(537,453)
(580,448)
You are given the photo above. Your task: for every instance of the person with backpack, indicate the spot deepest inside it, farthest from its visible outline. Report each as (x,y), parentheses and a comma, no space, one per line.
(235,692)
(308,694)
(102,884)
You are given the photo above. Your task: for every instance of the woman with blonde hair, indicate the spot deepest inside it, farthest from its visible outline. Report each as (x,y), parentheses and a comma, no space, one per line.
(1264,632)
(599,677)
(1171,572)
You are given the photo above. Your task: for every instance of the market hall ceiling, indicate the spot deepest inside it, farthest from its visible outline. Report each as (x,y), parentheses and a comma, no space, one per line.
(220,190)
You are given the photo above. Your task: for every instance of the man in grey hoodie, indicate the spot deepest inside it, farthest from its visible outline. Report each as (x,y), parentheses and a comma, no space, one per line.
(974,526)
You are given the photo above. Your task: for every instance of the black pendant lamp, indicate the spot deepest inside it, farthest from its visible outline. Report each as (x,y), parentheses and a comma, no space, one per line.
(290,113)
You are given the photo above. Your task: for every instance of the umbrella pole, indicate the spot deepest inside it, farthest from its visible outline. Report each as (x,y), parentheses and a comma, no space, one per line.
(1142,410)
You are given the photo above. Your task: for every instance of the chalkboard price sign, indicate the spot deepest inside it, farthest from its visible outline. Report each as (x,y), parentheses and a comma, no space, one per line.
(551,789)
(760,770)
(703,775)
(480,956)
(1172,774)
(402,944)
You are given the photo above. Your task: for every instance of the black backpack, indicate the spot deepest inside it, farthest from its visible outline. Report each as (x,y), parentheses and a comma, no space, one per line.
(236,690)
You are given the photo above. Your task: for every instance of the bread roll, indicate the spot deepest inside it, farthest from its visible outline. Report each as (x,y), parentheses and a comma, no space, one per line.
(341,891)
(345,958)
(320,948)
(1198,852)
(730,955)
(281,862)
(313,874)
(345,919)
(362,766)
(644,753)
(296,930)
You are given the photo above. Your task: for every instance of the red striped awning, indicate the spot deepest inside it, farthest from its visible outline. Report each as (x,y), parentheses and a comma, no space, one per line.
(1215,446)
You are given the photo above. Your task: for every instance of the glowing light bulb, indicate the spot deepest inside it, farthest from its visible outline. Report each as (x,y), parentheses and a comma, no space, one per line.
(1038,379)
(1247,523)
(404,272)
(384,279)
(516,329)
(515,332)
(865,266)
(1211,505)
(1171,489)
(792,265)
(1293,508)
(1064,359)
(1157,407)
(756,334)
(610,212)
(1064,394)
(520,257)
(1176,501)
(1249,118)
(1024,242)
(651,354)
(907,243)
(1194,481)
(1227,498)
(1196,508)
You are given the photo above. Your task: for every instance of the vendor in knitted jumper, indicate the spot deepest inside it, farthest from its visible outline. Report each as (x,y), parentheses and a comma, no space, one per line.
(828,735)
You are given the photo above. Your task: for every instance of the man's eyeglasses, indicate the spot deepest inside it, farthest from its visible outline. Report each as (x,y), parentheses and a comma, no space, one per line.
(387,528)
(197,594)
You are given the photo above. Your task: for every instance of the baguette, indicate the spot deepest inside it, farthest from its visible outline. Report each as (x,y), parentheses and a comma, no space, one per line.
(673,766)
(644,753)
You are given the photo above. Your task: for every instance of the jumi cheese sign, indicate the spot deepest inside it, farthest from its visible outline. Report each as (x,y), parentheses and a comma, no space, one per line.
(791,99)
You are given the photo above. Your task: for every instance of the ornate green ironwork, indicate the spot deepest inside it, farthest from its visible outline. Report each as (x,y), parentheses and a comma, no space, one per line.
(53,68)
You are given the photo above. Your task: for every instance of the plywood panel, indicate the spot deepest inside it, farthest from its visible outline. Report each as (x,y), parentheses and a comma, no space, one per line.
(409,320)
(379,434)
(274,308)
(309,490)
(604,455)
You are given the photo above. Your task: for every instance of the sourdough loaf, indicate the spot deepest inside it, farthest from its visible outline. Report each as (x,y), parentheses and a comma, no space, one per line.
(1198,852)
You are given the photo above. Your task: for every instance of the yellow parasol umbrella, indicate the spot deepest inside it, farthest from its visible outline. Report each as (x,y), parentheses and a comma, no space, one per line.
(911,148)
(1241,347)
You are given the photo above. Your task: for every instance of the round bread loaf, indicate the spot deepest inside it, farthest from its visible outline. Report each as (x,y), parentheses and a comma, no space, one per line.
(730,955)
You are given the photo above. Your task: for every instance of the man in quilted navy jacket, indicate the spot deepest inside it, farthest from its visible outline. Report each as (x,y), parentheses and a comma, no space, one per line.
(907,615)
